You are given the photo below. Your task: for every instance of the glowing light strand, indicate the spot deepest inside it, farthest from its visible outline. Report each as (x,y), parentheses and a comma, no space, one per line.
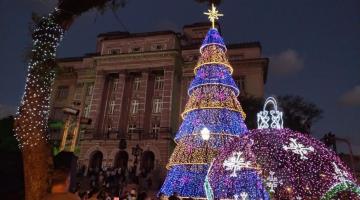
(33,113)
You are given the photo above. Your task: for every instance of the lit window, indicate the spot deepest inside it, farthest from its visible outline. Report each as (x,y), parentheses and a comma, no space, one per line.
(137,82)
(155,127)
(111,107)
(114,51)
(62,92)
(131,128)
(159,82)
(157,106)
(240,82)
(134,106)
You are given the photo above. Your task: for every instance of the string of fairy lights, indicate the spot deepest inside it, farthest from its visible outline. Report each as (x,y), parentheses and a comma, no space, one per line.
(33,113)
(213,96)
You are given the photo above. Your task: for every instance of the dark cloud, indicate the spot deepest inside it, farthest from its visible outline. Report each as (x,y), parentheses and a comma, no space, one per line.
(286,63)
(351,97)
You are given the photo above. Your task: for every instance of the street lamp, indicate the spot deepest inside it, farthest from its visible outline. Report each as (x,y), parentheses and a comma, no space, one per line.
(205,134)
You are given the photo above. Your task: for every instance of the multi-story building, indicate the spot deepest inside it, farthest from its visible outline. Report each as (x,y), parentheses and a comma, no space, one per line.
(134,88)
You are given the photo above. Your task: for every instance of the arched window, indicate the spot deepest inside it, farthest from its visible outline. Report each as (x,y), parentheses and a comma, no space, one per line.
(147,161)
(96,159)
(121,160)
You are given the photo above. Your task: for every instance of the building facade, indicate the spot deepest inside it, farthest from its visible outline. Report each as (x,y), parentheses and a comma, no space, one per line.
(134,88)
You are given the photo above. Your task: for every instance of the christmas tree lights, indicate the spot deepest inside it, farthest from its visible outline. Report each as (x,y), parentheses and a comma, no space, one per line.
(33,113)
(235,174)
(212,118)
(213,75)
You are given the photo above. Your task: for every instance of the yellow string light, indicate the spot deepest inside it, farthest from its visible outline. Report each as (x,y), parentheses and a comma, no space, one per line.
(213,96)
(212,54)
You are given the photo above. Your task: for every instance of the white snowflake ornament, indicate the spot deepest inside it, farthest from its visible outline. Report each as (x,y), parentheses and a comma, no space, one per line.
(339,174)
(272,182)
(235,163)
(298,148)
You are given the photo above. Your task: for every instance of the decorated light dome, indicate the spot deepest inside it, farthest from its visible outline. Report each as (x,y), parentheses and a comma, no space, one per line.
(289,164)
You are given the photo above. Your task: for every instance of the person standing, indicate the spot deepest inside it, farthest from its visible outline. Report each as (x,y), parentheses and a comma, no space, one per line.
(60,183)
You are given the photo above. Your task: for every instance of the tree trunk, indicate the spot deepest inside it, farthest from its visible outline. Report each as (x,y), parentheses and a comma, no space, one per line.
(37,162)
(32,117)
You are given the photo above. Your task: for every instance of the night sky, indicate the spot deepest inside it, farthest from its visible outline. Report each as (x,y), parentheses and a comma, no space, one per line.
(313,46)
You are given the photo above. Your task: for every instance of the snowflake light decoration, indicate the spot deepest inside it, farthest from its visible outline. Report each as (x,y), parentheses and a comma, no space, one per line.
(235,163)
(298,148)
(340,175)
(272,182)
(244,196)
(236,197)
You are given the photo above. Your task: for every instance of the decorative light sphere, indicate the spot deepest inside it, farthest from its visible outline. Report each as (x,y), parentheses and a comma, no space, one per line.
(289,164)
(205,134)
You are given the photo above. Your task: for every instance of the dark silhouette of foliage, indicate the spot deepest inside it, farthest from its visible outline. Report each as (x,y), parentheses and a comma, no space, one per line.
(298,114)
(8,141)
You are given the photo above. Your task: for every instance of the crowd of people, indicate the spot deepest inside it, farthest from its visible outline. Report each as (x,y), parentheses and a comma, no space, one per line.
(102,184)
(113,182)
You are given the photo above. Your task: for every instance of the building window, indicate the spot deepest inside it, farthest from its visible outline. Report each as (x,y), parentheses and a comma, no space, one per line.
(236,57)
(158,47)
(137,82)
(114,51)
(111,107)
(58,114)
(89,89)
(115,84)
(136,49)
(157,105)
(240,82)
(159,82)
(155,127)
(134,106)
(62,92)
(131,128)
(86,110)
(78,92)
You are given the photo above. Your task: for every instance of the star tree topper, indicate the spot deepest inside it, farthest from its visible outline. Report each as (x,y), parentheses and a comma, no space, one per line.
(213,15)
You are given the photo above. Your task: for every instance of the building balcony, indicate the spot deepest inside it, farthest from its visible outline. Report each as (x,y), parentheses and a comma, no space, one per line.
(136,135)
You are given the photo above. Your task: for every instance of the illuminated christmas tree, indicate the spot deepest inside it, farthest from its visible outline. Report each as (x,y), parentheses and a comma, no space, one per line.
(212,118)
